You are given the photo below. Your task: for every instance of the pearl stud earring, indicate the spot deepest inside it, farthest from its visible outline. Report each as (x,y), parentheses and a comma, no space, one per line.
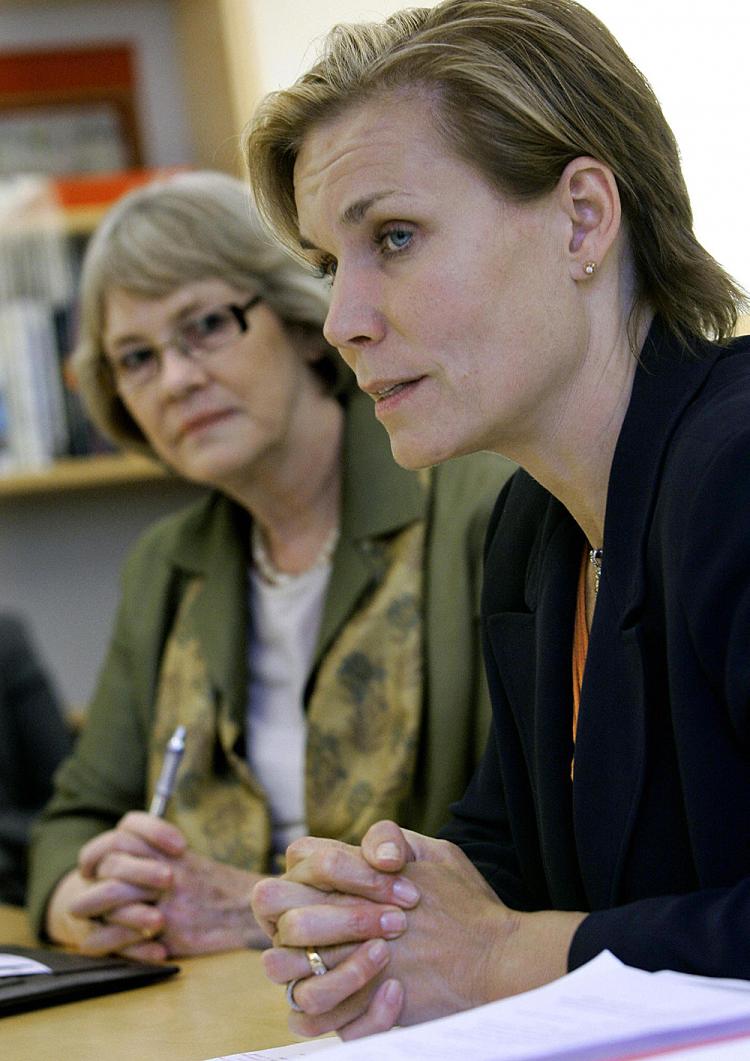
(589,268)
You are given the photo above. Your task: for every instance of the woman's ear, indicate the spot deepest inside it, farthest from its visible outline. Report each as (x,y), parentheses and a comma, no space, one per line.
(588,194)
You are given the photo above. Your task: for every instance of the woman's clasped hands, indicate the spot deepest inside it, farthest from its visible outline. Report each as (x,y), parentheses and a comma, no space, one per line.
(408,929)
(139,891)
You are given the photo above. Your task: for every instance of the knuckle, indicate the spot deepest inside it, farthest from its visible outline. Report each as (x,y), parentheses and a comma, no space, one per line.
(448,852)
(327,863)
(359,921)
(382,888)
(302,1024)
(359,975)
(299,849)
(110,866)
(369,1025)
(276,967)
(312,1004)
(263,894)
(290,927)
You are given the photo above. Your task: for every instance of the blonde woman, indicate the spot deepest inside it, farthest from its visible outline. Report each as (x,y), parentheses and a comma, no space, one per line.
(496,195)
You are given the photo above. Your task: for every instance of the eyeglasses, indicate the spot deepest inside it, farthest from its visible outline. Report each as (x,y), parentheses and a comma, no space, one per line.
(195,337)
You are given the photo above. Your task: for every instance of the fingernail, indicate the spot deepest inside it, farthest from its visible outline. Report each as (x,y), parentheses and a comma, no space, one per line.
(405,891)
(393,922)
(378,952)
(388,852)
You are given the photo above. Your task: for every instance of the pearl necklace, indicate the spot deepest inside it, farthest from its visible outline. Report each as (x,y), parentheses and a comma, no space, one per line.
(268,570)
(596,556)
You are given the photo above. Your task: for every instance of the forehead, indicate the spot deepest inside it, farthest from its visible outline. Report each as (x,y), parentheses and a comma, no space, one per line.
(385,146)
(128,311)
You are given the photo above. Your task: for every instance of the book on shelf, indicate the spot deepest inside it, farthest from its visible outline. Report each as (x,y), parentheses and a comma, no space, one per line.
(44,416)
(32,384)
(44,227)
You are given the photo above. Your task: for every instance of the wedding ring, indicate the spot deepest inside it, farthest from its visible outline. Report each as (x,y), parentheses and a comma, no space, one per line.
(317,965)
(290,994)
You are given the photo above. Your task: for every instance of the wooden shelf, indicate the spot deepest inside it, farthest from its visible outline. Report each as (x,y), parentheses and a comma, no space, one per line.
(82,473)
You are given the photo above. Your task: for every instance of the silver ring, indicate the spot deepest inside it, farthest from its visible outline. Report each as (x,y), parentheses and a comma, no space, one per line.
(290,994)
(318,966)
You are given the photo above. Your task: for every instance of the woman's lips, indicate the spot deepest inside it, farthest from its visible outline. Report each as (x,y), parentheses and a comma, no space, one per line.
(391,395)
(388,391)
(204,420)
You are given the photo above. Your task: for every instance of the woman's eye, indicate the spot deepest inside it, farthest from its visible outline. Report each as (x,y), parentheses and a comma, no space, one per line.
(208,323)
(326,269)
(395,239)
(135,360)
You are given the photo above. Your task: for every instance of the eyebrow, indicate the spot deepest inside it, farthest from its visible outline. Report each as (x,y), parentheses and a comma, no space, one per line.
(353,214)
(195,305)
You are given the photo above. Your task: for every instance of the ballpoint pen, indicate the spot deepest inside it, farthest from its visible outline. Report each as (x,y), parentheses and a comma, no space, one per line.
(165,784)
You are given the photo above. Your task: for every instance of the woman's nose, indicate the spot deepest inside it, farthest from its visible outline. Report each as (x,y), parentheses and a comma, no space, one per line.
(179,371)
(354,319)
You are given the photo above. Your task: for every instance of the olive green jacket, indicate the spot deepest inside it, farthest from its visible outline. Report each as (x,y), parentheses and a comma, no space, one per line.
(106,775)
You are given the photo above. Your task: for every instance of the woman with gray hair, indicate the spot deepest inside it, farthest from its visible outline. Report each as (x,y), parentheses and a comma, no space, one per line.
(292,622)
(497,197)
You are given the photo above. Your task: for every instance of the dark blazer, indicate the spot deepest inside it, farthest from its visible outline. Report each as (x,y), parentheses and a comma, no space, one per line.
(653,835)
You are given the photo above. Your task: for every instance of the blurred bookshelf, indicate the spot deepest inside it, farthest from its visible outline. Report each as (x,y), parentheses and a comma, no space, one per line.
(78,108)
(69,520)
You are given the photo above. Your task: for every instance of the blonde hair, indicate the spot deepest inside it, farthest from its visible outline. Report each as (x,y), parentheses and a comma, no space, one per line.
(176,230)
(520,88)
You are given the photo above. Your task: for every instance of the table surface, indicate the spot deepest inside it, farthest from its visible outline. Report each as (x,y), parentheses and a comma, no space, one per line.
(217,1004)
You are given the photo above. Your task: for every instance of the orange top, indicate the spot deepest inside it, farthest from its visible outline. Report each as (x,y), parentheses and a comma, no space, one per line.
(580,644)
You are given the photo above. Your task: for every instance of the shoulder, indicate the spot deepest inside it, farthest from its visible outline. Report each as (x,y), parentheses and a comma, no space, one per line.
(185,536)
(13,637)
(721,406)
(710,450)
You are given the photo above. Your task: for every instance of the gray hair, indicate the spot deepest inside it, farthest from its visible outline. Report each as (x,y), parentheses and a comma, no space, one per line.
(176,230)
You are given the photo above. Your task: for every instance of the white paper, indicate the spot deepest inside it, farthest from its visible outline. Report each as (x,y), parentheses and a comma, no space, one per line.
(603,1010)
(16,965)
(735,1050)
(280,1053)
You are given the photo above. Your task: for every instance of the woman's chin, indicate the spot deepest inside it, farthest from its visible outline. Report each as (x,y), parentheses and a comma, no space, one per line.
(413,453)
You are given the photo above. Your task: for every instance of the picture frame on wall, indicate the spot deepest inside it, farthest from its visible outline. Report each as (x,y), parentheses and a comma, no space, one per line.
(69,110)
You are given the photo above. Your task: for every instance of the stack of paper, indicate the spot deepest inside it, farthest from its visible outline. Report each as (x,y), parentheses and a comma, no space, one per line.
(603,1011)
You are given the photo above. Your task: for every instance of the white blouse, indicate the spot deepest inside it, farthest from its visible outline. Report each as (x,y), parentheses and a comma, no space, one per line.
(285,620)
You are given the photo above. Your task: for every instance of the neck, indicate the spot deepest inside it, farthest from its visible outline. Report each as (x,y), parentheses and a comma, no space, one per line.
(294,500)
(572,458)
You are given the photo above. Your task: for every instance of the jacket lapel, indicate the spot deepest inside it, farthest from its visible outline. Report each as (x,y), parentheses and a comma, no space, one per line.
(559,563)
(216,554)
(532,650)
